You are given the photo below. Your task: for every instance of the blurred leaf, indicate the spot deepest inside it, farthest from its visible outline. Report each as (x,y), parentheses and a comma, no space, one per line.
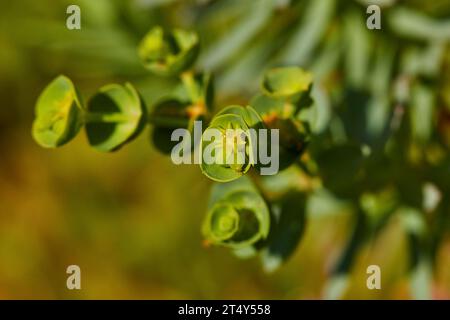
(421,279)
(414,24)
(168,53)
(318,116)
(322,203)
(358,47)
(287,227)
(256,16)
(379,206)
(354,113)
(286,82)
(381,3)
(412,220)
(327,60)
(379,107)
(426,62)
(311,28)
(420,264)
(153,3)
(336,286)
(340,168)
(283,182)
(422,113)
(242,72)
(356,240)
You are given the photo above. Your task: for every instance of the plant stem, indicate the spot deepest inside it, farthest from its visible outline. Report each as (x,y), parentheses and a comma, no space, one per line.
(355,242)
(189,83)
(303,166)
(255,178)
(168,122)
(90,117)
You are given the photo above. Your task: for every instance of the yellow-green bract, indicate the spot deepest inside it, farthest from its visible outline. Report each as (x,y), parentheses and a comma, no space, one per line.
(115,115)
(238,216)
(168,53)
(59,114)
(236,118)
(285,81)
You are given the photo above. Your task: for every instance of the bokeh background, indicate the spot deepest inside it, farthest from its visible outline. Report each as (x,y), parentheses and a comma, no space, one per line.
(131,219)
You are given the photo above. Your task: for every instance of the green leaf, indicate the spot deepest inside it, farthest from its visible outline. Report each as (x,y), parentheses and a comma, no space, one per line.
(275,186)
(313,25)
(59,114)
(252,60)
(168,53)
(421,280)
(340,168)
(417,25)
(420,261)
(254,17)
(355,106)
(116,115)
(424,61)
(318,116)
(286,81)
(238,216)
(286,229)
(356,240)
(336,286)
(358,49)
(379,107)
(422,112)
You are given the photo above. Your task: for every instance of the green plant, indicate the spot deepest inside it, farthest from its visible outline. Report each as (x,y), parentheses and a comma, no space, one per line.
(240,215)
(376,149)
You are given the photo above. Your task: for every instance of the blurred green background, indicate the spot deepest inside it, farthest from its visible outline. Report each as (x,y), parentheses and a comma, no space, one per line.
(131,219)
